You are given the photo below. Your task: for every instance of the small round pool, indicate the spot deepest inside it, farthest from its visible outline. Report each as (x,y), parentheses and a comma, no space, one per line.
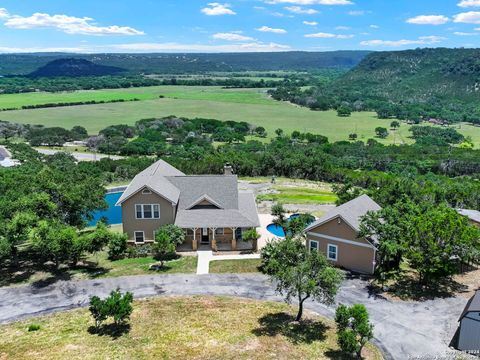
(276,230)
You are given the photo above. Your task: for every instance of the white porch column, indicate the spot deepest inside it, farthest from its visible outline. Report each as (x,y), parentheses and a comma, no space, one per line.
(194,242)
(234,238)
(214,242)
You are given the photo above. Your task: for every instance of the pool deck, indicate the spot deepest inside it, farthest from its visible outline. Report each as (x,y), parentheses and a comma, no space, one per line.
(265,235)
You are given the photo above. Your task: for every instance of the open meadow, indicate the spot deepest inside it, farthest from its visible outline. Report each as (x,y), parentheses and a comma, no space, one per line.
(250,105)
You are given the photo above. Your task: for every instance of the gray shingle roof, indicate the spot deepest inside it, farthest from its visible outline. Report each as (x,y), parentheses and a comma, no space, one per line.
(351,212)
(473,305)
(473,215)
(154,178)
(223,190)
(236,209)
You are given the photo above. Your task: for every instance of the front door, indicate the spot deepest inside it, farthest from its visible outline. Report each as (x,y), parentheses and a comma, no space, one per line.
(205,237)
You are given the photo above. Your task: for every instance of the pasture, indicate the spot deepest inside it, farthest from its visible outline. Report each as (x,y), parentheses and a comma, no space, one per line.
(250,105)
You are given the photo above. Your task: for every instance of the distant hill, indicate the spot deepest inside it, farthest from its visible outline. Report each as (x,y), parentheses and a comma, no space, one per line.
(73,68)
(415,76)
(23,64)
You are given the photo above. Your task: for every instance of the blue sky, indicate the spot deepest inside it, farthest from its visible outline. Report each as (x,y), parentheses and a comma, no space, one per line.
(235,25)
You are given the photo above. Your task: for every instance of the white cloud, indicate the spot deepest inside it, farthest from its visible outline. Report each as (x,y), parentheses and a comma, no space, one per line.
(358,12)
(178,47)
(460,33)
(4,13)
(374,26)
(311,2)
(469,3)
(428,20)
(311,23)
(271,30)
(6,49)
(471,17)
(323,35)
(217,9)
(342,28)
(301,10)
(423,40)
(231,37)
(68,24)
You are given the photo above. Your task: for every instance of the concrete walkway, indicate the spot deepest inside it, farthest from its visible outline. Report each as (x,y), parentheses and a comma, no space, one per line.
(204,258)
(403,330)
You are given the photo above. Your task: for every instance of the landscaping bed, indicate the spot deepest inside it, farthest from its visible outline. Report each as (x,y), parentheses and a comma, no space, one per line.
(181,328)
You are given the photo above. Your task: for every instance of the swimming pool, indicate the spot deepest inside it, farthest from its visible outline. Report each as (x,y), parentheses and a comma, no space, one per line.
(278,230)
(113,213)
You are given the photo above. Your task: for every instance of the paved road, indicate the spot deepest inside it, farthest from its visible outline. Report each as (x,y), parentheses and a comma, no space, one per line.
(402,330)
(79,155)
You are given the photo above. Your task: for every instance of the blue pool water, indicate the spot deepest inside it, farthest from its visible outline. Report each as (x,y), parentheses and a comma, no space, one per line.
(113,213)
(278,230)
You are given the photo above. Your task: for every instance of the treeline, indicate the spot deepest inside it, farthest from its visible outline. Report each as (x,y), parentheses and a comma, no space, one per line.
(13,85)
(72,103)
(156,136)
(18,64)
(323,98)
(47,136)
(20,84)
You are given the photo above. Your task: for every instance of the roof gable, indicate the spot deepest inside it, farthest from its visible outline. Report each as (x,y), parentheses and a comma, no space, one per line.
(351,212)
(154,177)
(204,198)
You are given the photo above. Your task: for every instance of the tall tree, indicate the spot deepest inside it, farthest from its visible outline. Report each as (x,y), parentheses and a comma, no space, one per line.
(299,273)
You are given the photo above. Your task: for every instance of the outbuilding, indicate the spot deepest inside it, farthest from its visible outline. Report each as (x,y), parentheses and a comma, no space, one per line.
(336,235)
(469,334)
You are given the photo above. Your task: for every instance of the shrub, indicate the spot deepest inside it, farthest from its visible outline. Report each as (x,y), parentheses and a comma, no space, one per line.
(117,306)
(33,327)
(117,246)
(166,240)
(353,328)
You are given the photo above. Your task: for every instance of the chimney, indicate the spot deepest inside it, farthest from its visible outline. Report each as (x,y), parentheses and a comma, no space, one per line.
(227,169)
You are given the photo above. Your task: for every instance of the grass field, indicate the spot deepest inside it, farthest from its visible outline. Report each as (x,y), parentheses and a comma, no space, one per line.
(251,105)
(299,195)
(39,98)
(180,328)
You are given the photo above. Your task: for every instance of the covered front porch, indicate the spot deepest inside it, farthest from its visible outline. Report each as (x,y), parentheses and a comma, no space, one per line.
(216,239)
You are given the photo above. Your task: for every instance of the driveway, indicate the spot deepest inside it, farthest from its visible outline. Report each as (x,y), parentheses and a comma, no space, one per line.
(402,330)
(79,156)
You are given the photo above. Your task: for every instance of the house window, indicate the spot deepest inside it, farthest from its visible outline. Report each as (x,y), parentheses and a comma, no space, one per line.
(156,211)
(189,232)
(313,245)
(146,192)
(147,211)
(332,252)
(139,237)
(219,231)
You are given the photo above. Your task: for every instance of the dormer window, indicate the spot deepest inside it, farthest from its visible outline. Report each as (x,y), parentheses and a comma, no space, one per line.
(146,192)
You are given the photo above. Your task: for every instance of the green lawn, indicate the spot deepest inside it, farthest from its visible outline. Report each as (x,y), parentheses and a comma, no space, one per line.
(39,98)
(234,266)
(251,105)
(180,328)
(299,195)
(28,271)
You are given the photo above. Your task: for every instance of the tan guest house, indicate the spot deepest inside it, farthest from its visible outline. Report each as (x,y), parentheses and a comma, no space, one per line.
(210,208)
(336,235)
